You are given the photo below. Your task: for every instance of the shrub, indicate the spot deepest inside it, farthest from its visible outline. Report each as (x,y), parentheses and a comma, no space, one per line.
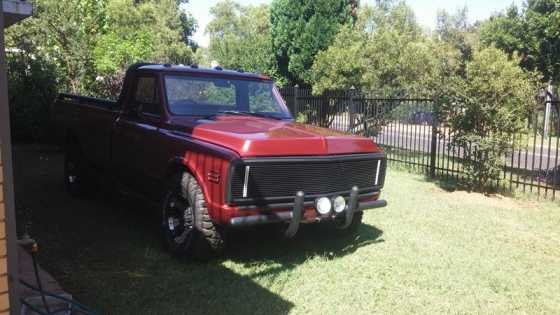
(31,90)
(108,86)
(486,110)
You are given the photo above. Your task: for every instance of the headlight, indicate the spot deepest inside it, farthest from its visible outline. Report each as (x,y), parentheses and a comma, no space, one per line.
(323,205)
(339,204)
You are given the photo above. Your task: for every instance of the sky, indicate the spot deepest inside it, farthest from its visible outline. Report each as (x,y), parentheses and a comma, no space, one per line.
(425,10)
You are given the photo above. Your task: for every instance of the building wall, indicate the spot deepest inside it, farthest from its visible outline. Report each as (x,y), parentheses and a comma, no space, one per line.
(4,296)
(8,263)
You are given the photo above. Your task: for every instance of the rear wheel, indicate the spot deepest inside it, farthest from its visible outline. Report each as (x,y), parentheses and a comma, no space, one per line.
(187,227)
(74,171)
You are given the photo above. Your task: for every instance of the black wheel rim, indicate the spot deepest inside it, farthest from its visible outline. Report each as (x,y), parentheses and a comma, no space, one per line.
(178,220)
(71,174)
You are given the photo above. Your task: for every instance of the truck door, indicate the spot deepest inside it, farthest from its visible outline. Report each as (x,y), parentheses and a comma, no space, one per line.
(136,134)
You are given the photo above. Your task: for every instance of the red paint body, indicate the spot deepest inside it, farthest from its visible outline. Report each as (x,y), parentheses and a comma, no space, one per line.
(142,151)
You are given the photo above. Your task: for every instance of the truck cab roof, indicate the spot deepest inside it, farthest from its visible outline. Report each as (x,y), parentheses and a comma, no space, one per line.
(194,69)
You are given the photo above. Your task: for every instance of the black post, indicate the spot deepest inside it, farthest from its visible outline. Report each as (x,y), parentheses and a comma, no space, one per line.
(351,108)
(296,107)
(297,215)
(433,147)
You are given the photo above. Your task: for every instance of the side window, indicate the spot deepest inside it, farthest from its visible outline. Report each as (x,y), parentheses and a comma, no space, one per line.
(146,96)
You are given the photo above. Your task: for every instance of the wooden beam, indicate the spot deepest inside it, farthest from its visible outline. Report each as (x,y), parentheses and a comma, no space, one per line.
(10,302)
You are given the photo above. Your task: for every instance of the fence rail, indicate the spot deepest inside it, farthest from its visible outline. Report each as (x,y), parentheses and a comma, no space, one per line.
(410,134)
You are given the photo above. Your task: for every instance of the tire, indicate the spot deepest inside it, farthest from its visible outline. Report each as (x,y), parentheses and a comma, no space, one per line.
(353,228)
(188,230)
(74,171)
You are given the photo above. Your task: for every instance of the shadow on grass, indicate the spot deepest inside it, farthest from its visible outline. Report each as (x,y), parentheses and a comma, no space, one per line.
(109,255)
(449,184)
(256,246)
(452,184)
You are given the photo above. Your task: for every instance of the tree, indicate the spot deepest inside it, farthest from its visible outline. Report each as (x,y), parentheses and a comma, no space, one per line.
(146,31)
(32,86)
(532,33)
(240,38)
(455,30)
(87,40)
(64,34)
(385,52)
(83,46)
(301,29)
(486,110)
(188,24)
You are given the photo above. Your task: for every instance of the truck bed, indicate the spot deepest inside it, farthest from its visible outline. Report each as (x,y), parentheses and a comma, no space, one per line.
(89,122)
(87,101)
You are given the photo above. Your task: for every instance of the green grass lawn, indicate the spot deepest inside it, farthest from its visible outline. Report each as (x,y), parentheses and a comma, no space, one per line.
(430,251)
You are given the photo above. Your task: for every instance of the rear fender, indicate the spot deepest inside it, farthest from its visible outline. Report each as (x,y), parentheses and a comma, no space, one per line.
(71,142)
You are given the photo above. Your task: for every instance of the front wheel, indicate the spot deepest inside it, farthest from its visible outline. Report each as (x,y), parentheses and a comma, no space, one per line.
(352,229)
(187,227)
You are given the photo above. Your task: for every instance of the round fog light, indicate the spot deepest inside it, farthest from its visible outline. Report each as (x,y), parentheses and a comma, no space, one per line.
(339,204)
(323,205)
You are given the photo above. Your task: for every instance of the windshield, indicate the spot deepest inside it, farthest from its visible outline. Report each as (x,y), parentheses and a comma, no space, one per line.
(202,96)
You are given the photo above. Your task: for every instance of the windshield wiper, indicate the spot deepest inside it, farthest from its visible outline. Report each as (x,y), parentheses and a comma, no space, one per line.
(265,116)
(226,112)
(241,113)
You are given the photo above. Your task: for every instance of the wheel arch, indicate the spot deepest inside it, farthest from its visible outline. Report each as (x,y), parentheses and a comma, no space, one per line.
(177,165)
(174,166)
(71,141)
(70,137)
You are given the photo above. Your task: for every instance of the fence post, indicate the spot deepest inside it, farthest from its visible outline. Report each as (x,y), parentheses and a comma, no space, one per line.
(351,108)
(296,107)
(548,108)
(433,146)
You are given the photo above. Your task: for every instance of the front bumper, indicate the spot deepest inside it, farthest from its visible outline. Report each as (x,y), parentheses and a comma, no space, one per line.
(295,216)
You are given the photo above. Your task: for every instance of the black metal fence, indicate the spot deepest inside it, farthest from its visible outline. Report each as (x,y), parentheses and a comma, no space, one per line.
(408,131)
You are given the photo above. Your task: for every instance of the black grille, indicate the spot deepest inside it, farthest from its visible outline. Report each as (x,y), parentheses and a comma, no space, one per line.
(277,180)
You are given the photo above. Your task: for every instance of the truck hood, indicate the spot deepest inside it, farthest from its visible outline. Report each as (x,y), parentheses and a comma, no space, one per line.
(254,136)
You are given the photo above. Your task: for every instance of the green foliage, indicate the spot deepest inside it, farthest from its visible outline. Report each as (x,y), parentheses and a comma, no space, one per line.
(62,33)
(50,51)
(148,31)
(385,52)
(89,39)
(188,24)
(455,30)
(83,46)
(533,33)
(201,57)
(240,38)
(301,29)
(32,89)
(301,118)
(484,96)
(484,114)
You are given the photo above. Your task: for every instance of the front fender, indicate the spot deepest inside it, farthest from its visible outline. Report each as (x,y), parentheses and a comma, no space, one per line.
(207,162)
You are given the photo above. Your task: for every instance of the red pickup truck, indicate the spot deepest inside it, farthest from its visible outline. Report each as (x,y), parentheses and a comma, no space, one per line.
(217,148)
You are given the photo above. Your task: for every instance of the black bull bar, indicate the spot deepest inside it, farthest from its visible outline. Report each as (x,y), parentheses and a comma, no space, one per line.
(295,216)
